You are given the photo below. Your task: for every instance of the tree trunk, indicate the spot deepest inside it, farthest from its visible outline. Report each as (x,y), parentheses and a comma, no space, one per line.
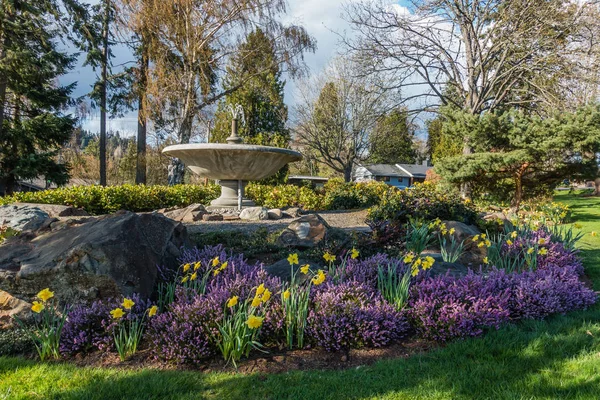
(516,203)
(103,89)
(140,165)
(597,184)
(348,173)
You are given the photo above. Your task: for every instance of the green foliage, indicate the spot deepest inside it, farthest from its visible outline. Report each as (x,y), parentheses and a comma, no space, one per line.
(104,200)
(6,232)
(127,336)
(295,300)
(451,251)
(442,141)
(392,139)
(394,287)
(284,196)
(419,237)
(422,201)
(340,195)
(15,341)
(32,125)
(530,152)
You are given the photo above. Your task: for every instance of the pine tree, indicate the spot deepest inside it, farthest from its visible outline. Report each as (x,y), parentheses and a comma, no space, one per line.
(33,126)
(392,139)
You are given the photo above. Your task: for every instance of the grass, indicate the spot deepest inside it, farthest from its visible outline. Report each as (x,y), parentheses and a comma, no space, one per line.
(558,358)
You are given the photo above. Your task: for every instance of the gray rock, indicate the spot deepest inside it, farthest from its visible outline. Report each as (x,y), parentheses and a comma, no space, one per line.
(57,210)
(443,268)
(292,212)
(22,217)
(11,307)
(283,270)
(462,231)
(275,213)
(304,232)
(254,214)
(212,217)
(108,256)
(189,214)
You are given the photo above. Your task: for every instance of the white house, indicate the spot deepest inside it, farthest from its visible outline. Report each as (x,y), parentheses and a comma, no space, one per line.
(398,175)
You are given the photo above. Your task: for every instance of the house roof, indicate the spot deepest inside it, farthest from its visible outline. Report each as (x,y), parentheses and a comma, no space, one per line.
(415,170)
(404,170)
(385,170)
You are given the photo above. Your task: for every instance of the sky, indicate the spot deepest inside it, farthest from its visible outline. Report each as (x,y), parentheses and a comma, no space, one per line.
(321,18)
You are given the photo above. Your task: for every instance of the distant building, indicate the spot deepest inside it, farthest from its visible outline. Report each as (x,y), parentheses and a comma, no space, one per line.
(398,175)
(314,181)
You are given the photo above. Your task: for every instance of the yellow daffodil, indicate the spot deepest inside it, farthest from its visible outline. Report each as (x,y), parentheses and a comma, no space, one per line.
(186,267)
(128,303)
(414,270)
(444,231)
(486,260)
(409,258)
(185,278)
(509,242)
(266,296)
(197,265)
(45,295)
(418,262)
(224,265)
(293,259)
(594,234)
(329,257)
(319,278)
(475,238)
(483,236)
(215,261)
(254,322)
(543,251)
(488,243)
(256,301)
(452,230)
(37,307)
(514,234)
(428,263)
(563,215)
(152,311)
(216,272)
(232,302)
(530,250)
(286,295)
(260,289)
(304,269)
(194,276)
(354,254)
(542,241)
(481,244)
(117,313)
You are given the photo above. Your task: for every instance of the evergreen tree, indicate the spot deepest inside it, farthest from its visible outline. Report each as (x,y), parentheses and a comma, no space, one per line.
(33,126)
(392,139)
(261,95)
(519,155)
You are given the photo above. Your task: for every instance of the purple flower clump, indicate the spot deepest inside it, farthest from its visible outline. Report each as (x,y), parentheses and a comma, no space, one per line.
(351,314)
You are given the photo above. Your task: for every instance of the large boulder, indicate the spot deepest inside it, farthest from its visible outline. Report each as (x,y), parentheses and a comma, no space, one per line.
(255,214)
(11,307)
(104,257)
(22,216)
(304,232)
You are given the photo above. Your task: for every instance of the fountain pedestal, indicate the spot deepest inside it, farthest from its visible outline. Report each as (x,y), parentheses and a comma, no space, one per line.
(229,195)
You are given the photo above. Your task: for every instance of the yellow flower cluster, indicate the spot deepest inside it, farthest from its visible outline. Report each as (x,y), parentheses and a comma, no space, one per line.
(482,239)
(329,257)
(286,295)
(128,304)
(44,296)
(254,322)
(319,278)
(418,263)
(220,269)
(305,268)
(439,225)
(354,254)
(262,296)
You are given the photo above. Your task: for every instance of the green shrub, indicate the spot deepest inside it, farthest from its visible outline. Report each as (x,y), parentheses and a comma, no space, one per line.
(340,195)
(104,200)
(423,202)
(281,196)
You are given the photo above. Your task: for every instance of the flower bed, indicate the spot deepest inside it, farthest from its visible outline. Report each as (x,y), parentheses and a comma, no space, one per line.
(218,304)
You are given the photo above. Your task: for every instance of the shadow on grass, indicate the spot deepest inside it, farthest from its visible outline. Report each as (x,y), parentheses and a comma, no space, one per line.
(557,358)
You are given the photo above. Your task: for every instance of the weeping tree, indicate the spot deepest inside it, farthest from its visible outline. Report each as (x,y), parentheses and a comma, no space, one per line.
(33,123)
(517,154)
(194,41)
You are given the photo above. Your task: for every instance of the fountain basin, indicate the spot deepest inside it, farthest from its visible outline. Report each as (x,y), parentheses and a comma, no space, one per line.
(232,163)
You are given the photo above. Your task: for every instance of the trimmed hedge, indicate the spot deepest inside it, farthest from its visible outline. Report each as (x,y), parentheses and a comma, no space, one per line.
(104,200)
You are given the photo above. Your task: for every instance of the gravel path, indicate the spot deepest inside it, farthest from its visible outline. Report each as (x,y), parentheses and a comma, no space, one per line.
(351,220)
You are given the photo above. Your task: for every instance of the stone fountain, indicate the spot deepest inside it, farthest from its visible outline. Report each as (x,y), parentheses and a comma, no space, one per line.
(233,164)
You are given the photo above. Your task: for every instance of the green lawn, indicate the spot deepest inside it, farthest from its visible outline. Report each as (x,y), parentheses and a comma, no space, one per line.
(554,359)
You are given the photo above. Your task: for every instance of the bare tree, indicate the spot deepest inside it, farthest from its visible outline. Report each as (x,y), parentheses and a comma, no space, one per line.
(337,112)
(474,55)
(192,41)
